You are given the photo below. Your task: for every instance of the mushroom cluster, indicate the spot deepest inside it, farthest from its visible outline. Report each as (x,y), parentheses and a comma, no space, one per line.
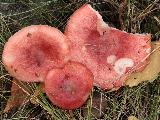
(88,53)
(40,53)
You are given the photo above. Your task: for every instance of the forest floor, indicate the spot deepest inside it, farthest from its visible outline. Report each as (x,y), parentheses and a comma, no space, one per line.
(135,16)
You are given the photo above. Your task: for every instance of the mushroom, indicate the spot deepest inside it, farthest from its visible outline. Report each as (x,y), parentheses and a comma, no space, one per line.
(108,52)
(152,70)
(69,87)
(31,52)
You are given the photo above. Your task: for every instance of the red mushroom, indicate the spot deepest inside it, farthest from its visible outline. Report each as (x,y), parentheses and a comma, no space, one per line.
(31,52)
(69,87)
(108,52)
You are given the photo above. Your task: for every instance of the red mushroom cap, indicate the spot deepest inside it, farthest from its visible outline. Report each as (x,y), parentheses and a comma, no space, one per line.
(32,51)
(108,52)
(69,87)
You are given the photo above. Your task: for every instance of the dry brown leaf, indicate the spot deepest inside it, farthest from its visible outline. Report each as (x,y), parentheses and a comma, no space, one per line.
(17,96)
(152,70)
(132,118)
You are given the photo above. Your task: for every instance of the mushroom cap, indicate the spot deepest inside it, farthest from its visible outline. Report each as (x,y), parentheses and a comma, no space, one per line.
(31,52)
(69,87)
(108,52)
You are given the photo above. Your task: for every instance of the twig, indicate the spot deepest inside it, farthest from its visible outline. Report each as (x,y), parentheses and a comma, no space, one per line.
(122,8)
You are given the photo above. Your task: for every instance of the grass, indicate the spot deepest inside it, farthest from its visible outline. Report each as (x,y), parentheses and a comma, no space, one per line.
(140,16)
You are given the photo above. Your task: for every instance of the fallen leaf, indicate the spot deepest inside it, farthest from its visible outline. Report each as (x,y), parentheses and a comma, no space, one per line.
(151,72)
(17,96)
(132,118)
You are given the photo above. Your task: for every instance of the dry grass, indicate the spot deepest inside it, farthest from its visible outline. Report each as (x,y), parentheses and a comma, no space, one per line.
(142,16)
